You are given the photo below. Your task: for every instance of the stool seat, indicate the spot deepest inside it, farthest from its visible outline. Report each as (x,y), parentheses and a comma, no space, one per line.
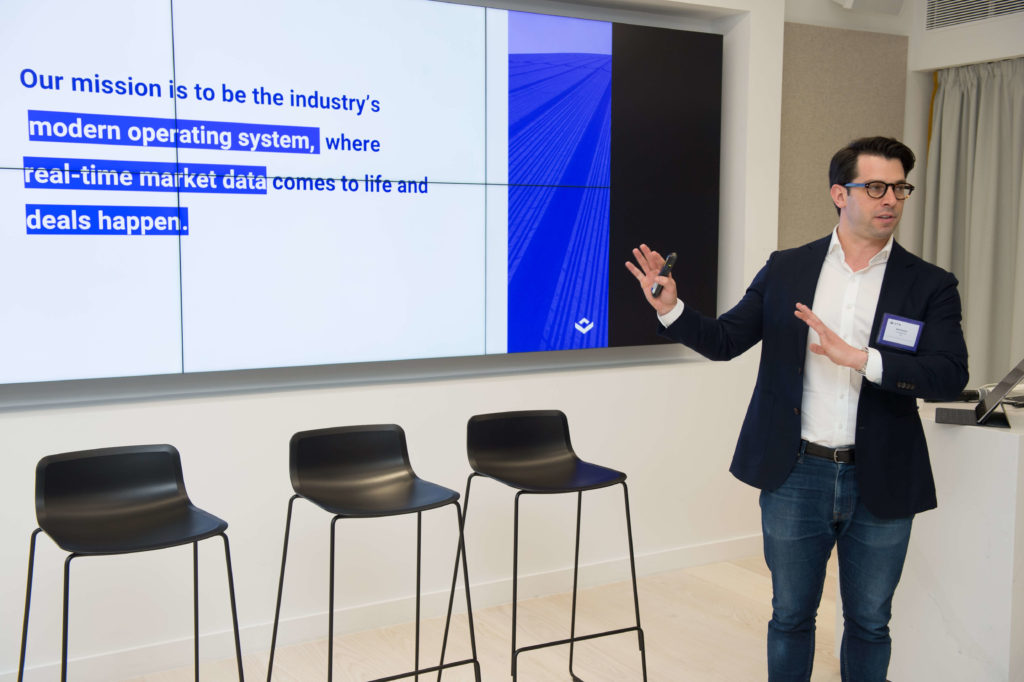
(364,472)
(120,500)
(399,495)
(554,477)
(157,529)
(530,451)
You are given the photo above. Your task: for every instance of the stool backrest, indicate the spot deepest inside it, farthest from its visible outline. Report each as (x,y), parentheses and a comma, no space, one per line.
(91,487)
(348,459)
(519,439)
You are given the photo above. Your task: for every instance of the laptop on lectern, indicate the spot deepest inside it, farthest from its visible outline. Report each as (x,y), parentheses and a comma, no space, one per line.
(984,413)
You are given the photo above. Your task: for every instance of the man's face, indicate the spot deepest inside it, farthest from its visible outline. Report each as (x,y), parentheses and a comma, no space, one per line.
(866,218)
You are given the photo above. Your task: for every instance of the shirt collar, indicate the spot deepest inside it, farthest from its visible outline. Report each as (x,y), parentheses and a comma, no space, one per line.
(835,249)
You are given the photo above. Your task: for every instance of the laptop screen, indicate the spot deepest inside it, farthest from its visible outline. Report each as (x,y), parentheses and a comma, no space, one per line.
(996,395)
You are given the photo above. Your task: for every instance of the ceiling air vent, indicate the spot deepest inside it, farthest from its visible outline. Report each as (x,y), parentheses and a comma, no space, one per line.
(942,13)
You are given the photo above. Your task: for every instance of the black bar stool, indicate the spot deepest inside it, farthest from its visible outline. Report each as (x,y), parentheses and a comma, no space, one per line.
(117,501)
(530,451)
(364,472)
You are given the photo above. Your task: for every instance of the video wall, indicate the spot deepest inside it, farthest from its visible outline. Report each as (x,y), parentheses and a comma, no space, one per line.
(194,186)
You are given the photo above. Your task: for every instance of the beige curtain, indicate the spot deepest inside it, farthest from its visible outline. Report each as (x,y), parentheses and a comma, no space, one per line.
(974,206)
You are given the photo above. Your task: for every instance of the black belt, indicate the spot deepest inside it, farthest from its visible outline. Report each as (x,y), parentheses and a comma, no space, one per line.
(838,455)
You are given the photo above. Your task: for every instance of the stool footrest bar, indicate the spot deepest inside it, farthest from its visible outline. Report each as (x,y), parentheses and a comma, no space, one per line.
(424,671)
(578,638)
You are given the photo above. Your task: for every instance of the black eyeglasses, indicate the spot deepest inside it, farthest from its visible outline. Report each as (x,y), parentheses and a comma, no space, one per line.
(876,189)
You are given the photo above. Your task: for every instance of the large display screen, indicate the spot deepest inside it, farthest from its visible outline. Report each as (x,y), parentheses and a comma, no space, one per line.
(192,186)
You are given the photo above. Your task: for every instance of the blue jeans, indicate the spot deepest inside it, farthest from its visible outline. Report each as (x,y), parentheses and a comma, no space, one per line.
(818,507)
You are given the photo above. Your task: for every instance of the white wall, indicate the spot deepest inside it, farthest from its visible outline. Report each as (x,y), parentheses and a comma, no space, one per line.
(864,15)
(670,424)
(973,42)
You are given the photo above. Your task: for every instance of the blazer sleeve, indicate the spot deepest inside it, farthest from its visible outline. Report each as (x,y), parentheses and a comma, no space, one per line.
(732,333)
(938,370)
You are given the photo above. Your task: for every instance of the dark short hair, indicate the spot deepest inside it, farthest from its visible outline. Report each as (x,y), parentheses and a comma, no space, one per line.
(843,167)
(844,162)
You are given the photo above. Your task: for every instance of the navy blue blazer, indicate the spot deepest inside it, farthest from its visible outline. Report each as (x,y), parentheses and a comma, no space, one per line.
(893,471)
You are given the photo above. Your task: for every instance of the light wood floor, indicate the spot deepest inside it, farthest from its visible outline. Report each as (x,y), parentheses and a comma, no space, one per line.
(701,623)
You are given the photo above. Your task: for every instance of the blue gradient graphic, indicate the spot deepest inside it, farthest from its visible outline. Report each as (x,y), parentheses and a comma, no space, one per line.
(559,151)
(546,33)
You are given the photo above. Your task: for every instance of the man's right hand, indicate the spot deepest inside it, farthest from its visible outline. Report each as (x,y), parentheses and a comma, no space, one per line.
(648,263)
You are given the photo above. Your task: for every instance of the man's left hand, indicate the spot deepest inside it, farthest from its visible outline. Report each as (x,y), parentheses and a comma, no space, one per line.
(831,345)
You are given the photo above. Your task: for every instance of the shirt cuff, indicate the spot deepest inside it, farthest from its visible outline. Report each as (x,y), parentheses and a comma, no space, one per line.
(671,316)
(873,370)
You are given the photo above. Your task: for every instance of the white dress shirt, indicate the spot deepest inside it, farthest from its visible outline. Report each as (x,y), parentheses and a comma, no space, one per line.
(845,301)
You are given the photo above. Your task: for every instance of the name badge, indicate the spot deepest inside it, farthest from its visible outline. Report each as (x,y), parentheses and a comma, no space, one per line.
(900,332)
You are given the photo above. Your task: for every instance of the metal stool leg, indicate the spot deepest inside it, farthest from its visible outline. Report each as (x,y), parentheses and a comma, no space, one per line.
(419,556)
(469,602)
(64,628)
(573,637)
(234,607)
(67,600)
(515,582)
(441,666)
(632,572)
(461,553)
(195,608)
(575,583)
(330,610)
(28,602)
(451,603)
(280,586)
(331,598)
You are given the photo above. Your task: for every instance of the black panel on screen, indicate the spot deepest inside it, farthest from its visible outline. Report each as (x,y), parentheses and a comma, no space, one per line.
(667,110)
